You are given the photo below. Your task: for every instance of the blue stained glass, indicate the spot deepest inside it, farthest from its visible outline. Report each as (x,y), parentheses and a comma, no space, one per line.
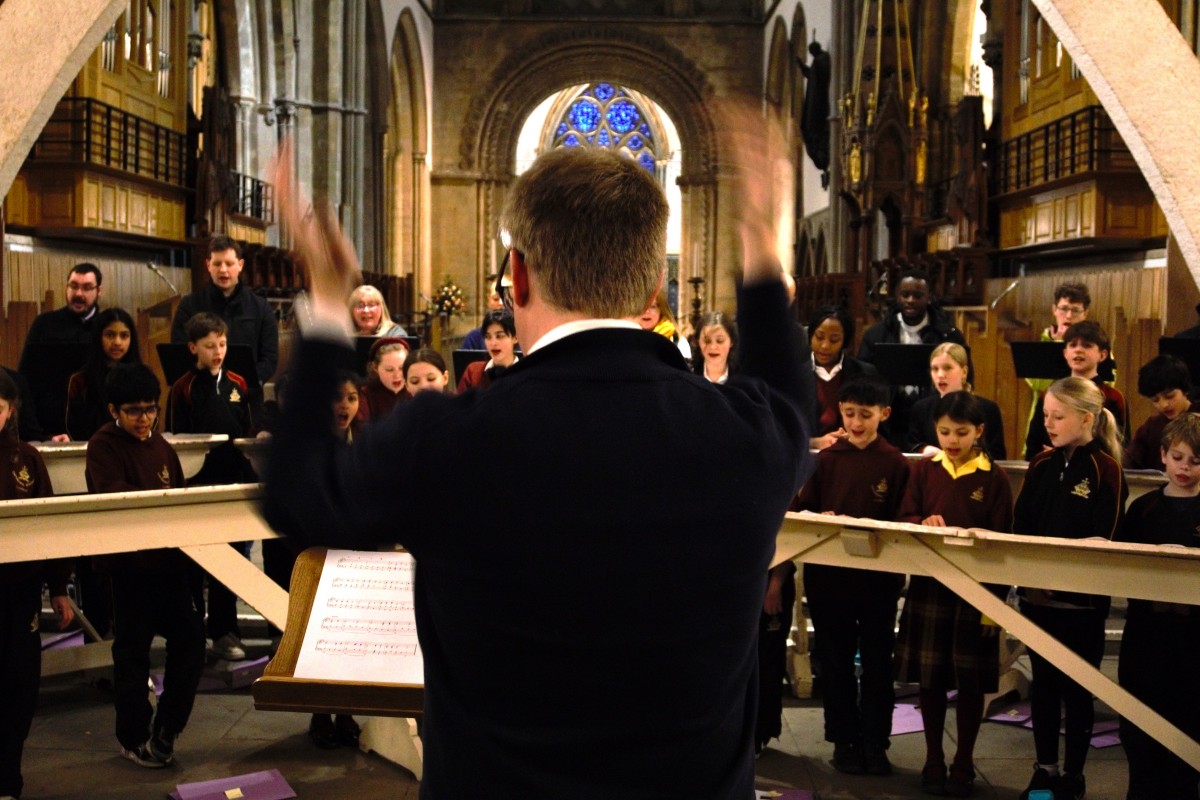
(647,161)
(635,142)
(584,115)
(622,116)
(562,128)
(644,129)
(592,139)
(603,92)
(571,141)
(603,139)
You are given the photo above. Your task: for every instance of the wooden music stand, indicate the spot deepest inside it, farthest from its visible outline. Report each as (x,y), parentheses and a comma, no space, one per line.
(279,690)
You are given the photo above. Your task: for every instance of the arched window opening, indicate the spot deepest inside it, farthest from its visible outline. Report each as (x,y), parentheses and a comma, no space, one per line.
(604,115)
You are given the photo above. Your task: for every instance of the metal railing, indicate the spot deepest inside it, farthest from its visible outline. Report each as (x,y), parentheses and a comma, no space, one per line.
(255,198)
(1077,144)
(85,130)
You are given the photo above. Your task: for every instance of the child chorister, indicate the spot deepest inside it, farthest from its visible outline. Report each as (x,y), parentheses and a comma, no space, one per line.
(854,610)
(945,643)
(1158,636)
(1075,490)
(23,476)
(151,589)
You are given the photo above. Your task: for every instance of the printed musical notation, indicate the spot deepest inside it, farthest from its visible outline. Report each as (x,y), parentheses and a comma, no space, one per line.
(336,648)
(375,627)
(380,584)
(348,603)
(362,626)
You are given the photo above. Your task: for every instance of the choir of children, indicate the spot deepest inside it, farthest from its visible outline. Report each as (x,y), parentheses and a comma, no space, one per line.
(1074,488)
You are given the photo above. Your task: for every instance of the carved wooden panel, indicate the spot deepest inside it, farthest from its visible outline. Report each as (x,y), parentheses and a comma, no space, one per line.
(1110,209)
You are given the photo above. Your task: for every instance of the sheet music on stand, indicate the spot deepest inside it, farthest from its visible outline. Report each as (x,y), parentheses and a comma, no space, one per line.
(351,642)
(362,626)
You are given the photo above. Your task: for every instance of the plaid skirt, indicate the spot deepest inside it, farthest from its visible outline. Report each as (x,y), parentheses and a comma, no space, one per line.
(941,643)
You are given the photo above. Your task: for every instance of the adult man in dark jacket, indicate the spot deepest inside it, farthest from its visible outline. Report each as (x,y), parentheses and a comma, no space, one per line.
(69,325)
(914,318)
(249,317)
(593,634)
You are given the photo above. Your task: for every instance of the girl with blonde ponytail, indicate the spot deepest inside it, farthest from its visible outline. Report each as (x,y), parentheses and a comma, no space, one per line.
(1075,490)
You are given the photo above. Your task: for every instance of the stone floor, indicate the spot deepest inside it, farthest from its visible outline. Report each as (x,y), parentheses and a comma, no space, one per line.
(71,754)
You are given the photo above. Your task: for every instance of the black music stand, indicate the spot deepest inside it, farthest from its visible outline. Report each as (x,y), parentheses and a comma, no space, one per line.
(904,364)
(1044,361)
(1186,350)
(464,359)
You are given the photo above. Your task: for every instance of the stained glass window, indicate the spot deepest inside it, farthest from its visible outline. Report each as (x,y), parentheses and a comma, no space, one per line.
(604,115)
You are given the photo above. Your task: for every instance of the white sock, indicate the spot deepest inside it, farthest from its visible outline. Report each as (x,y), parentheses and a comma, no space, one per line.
(1051,769)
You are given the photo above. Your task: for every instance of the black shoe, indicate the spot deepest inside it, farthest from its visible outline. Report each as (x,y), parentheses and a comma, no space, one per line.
(961,781)
(933,778)
(162,746)
(346,730)
(322,732)
(1041,780)
(1070,787)
(877,762)
(848,757)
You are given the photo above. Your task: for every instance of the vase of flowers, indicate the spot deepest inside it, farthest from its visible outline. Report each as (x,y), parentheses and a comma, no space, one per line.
(447,300)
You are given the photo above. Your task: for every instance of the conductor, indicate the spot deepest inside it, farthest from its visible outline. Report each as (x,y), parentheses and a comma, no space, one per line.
(592,634)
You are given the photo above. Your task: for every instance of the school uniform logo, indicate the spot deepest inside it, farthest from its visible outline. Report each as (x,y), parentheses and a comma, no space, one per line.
(234,397)
(880,489)
(977,495)
(1083,489)
(164,475)
(23,479)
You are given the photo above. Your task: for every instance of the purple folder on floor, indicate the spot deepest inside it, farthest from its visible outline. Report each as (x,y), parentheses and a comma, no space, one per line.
(267,785)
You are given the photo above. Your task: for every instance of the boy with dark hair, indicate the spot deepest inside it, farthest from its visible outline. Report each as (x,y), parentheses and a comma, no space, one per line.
(854,610)
(1160,637)
(212,399)
(151,589)
(1166,382)
(1085,347)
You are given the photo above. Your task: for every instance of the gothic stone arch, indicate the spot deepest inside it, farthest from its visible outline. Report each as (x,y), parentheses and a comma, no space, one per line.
(572,55)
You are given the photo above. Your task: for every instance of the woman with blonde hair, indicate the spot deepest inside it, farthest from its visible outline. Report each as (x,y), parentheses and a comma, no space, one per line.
(948,368)
(369,312)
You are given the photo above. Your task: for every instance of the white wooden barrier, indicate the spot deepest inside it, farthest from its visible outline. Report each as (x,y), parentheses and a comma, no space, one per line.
(200,522)
(965,559)
(65,460)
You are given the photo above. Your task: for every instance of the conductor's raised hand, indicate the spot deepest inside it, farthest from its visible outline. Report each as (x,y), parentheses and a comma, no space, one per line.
(326,255)
(760,174)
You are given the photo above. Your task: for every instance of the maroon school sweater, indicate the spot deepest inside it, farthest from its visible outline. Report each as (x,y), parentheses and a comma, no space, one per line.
(117,462)
(982,499)
(1144,450)
(23,476)
(858,483)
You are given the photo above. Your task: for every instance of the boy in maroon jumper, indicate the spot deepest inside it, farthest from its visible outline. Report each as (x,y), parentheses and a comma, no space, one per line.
(1166,382)
(854,610)
(213,399)
(151,588)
